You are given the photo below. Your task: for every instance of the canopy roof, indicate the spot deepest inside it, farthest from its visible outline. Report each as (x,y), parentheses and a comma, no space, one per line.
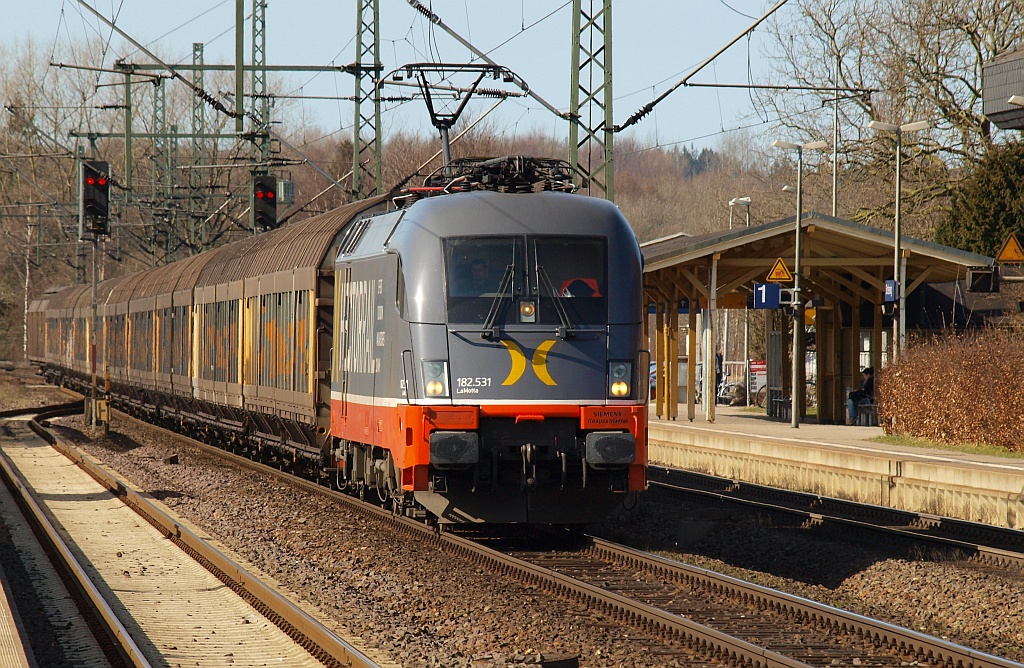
(840,258)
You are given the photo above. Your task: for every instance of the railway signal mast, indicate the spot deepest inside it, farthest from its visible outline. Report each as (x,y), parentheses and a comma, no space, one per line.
(94,221)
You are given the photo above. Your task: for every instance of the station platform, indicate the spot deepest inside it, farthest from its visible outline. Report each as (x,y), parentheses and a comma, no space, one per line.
(13,649)
(13,652)
(843,462)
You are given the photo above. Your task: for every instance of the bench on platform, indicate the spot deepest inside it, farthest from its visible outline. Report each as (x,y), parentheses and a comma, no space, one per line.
(867,415)
(782,408)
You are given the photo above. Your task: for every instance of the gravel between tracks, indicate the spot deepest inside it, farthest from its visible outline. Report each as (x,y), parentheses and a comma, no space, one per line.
(401,597)
(422,609)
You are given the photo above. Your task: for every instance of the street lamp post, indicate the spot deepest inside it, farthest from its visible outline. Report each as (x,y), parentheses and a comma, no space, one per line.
(899,322)
(745,203)
(798,310)
(739,201)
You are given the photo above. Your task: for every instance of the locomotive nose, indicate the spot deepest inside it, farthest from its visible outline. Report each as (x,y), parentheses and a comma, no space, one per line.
(528,366)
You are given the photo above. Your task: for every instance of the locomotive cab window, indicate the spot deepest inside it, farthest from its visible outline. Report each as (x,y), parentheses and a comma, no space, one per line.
(571,277)
(481,276)
(494,281)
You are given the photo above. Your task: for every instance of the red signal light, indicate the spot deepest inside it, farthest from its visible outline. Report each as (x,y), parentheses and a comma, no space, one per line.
(91,180)
(259,194)
(102,181)
(270,194)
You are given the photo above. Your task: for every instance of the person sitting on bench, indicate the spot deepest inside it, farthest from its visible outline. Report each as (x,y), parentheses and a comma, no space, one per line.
(862,397)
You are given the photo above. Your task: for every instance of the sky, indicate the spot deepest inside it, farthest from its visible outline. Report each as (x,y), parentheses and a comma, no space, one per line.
(655,44)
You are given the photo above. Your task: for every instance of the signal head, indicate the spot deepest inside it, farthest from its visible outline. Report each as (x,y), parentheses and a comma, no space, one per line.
(264,193)
(96,195)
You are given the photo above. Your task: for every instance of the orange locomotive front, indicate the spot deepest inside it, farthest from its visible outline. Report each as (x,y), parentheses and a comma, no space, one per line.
(487,362)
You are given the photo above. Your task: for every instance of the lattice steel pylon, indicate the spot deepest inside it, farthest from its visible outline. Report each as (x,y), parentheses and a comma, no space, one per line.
(590,101)
(260,103)
(159,140)
(197,237)
(164,222)
(367,180)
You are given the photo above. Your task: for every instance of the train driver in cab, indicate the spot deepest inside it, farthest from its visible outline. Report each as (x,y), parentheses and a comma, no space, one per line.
(479,281)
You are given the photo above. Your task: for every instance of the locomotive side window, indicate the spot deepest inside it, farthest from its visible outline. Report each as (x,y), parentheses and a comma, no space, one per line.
(400,297)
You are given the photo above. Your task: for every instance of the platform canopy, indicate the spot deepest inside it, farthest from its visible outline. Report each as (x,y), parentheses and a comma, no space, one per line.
(844,265)
(840,259)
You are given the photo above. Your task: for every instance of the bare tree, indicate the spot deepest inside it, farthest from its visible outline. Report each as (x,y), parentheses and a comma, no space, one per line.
(923,60)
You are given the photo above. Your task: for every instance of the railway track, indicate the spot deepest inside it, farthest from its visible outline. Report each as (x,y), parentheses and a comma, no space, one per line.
(143,637)
(991,545)
(54,615)
(689,614)
(686,603)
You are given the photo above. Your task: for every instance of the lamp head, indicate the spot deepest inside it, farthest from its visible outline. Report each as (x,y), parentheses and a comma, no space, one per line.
(915,126)
(884,127)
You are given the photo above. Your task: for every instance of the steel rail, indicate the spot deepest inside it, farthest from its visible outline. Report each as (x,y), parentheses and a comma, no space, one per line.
(65,560)
(69,408)
(995,545)
(698,637)
(929,648)
(311,634)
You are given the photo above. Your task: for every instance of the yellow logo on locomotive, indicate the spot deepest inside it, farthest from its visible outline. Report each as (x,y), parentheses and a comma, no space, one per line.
(539,362)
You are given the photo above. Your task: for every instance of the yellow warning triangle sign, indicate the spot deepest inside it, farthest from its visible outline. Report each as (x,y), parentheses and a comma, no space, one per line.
(779,273)
(1012,251)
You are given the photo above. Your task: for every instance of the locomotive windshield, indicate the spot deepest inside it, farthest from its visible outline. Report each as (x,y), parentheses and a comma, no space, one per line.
(532,279)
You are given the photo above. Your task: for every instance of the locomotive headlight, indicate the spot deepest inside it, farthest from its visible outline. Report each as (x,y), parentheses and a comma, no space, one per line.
(435,378)
(528,311)
(619,378)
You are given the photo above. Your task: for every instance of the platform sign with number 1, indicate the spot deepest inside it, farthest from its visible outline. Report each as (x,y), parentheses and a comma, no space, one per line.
(767,295)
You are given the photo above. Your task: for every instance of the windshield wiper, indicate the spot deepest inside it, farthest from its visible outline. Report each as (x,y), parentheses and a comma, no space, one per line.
(566,330)
(492,313)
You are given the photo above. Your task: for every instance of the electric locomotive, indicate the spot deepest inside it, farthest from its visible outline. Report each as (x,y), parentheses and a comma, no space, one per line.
(471,349)
(488,361)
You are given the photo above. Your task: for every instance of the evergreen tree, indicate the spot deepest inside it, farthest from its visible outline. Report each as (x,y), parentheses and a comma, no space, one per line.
(989,203)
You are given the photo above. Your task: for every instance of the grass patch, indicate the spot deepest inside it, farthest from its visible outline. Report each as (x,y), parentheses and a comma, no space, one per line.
(971,448)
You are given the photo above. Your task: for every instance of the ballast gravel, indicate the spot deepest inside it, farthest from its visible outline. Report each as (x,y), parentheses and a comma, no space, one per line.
(419,608)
